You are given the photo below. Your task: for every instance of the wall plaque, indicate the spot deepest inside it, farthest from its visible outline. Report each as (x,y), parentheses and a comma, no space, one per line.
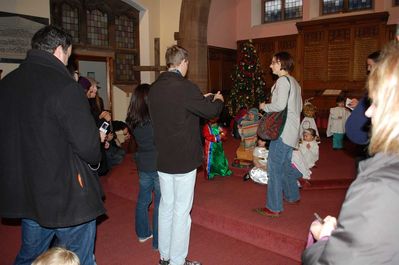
(16,32)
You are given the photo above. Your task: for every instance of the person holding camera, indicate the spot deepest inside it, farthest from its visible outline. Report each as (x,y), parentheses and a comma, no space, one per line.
(176,105)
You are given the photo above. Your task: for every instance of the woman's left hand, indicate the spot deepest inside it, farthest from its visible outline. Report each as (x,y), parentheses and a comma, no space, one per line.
(320,230)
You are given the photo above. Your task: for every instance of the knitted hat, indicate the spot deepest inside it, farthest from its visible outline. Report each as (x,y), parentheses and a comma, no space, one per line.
(254,111)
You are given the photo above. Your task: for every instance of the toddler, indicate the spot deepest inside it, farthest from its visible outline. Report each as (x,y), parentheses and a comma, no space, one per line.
(57,256)
(259,172)
(336,123)
(309,147)
(309,113)
(216,163)
(250,123)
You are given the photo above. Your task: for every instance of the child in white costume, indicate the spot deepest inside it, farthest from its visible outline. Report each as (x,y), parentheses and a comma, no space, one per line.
(259,172)
(308,122)
(309,148)
(336,123)
(299,162)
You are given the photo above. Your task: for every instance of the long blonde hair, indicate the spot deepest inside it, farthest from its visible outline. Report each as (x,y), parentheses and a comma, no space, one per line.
(383,86)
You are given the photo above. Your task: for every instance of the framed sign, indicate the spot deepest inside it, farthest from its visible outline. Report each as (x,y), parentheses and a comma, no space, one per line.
(16,32)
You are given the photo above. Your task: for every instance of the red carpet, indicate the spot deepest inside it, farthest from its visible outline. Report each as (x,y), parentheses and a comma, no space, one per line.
(225,229)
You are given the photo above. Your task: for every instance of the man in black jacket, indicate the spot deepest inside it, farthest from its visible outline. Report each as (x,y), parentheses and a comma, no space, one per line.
(176,105)
(49,140)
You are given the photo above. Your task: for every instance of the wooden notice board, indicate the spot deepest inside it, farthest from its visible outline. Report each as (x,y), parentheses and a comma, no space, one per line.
(335,50)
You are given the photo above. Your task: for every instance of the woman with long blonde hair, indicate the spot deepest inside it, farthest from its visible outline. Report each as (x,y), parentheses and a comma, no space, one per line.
(366,231)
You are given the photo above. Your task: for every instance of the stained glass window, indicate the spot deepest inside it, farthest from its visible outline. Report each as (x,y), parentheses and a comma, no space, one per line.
(277,10)
(70,21)
(360,4)
(293,9)
(97,28)
(124,30)
(336,6)
(124,67)
(103,25)
(332,6)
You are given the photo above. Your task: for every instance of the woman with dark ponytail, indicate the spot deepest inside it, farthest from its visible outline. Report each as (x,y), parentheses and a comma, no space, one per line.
(139,121)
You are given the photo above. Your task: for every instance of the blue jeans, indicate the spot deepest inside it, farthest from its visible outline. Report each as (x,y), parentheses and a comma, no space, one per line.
(36,240)
(282,176)
(114,155)
(149,182)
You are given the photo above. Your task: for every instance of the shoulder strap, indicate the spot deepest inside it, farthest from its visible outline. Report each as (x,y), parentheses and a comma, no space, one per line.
(289,91)
(274,87)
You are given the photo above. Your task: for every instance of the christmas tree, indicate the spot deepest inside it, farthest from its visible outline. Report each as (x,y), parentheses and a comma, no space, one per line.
(248,85)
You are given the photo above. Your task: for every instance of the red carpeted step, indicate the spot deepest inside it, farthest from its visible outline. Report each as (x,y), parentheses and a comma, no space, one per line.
(225,205)
(117,244)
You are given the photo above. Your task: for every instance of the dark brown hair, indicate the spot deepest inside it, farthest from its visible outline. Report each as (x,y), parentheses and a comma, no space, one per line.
(286,60)
(138,113)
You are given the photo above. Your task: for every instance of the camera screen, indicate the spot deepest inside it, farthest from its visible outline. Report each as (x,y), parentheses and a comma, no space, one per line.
(104,125)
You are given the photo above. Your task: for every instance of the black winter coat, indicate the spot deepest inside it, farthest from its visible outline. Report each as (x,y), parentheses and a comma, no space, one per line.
(176,105)
(47,138)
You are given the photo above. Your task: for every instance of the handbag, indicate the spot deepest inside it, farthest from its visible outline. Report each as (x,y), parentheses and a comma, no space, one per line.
(271,125)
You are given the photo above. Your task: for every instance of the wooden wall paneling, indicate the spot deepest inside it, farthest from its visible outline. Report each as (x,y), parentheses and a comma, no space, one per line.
(289,44)
(366,41)
(339,54)
(335,50)
(221,62)
(215,68)
(390,32)
(266,48)
(314,55)
(227,82)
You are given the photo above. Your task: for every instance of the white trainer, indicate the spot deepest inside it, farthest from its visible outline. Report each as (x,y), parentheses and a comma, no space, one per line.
(143,239)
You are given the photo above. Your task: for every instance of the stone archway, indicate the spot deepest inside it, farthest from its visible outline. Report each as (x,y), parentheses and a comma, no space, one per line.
(192,36)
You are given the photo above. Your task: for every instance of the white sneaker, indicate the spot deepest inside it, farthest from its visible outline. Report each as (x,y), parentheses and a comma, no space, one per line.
(192,262)
(143,239)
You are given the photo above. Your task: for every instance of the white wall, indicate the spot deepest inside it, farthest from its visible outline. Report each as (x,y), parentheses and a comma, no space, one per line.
(37,8)
(100,71)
